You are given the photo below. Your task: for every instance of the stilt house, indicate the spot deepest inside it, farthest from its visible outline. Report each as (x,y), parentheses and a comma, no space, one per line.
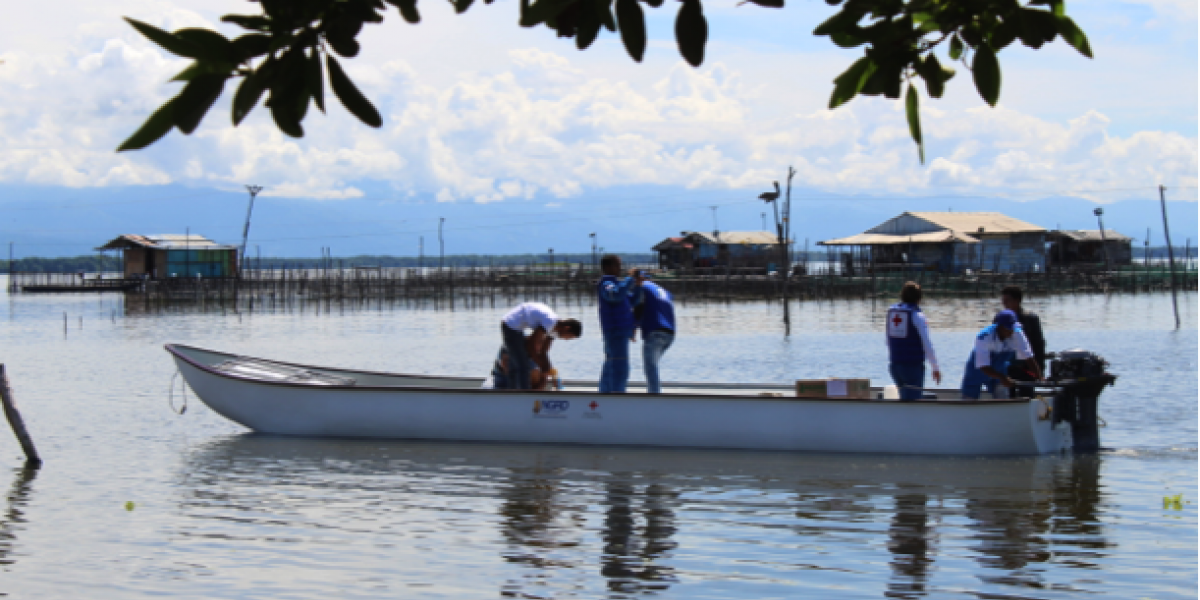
(1089,247)
(174,255)
(948,242)
(750,250)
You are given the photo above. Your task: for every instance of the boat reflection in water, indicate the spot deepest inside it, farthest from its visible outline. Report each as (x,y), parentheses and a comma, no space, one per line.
(555,521)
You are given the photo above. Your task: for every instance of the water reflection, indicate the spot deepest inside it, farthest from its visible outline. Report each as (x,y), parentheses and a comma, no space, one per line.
(911,545)
(14,513)
(638,528)
(610,520)
(536,525)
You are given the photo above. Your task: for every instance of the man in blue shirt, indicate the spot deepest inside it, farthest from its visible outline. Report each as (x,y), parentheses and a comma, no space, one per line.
(616,299)
(656,318)
(995,347)
(909,345)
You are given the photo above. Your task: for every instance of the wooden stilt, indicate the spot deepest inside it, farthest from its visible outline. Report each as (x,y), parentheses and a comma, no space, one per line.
(32,461)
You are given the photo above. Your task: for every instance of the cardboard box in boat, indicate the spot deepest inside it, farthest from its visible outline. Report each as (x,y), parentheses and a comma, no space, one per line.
(837,389)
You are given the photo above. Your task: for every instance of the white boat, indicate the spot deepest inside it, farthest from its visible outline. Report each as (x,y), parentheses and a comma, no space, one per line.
(289,399)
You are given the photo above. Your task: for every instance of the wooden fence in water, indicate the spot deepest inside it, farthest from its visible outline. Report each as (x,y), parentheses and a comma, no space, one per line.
(492,287)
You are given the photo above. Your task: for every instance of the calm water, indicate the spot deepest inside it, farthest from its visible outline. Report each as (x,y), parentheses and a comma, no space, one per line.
(219,513)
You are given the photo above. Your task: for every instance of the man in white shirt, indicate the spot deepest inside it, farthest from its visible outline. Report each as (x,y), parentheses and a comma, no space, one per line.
(523,353)
(994,349)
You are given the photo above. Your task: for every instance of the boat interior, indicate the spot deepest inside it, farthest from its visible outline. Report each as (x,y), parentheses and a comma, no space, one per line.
(287,373)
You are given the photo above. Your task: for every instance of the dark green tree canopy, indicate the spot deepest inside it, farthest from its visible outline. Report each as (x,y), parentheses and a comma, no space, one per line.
(289,50)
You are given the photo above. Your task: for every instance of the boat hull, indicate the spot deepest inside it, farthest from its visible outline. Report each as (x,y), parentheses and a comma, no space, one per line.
(456,409)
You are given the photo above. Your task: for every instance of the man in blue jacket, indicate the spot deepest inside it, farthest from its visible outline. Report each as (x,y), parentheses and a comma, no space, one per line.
(657,321)
(909,346)
(616,299)
(995,347)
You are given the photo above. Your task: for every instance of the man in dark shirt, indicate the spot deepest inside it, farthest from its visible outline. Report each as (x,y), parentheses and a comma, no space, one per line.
(1011,297)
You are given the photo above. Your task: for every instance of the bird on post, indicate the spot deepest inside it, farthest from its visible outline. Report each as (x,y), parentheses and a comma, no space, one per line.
(770,196)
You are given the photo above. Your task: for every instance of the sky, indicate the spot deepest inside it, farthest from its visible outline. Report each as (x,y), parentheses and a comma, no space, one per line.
(521,141)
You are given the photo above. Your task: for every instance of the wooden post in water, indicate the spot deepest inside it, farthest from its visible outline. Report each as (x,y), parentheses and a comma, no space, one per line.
(32,461)
(1162,197)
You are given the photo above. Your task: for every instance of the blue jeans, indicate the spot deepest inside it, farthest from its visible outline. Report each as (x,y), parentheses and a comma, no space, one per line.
(974,379)
(519,363)
(909,380)
(615,374)
(654,345)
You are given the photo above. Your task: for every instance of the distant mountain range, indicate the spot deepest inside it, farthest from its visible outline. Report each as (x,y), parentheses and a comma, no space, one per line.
(60,222)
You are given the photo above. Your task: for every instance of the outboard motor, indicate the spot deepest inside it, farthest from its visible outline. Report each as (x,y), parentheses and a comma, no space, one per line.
(1081,376)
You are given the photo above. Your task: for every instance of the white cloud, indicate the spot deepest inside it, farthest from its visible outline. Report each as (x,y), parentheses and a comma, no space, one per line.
(534,122)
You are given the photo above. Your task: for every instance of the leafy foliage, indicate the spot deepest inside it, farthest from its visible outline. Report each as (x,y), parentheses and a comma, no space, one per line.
(288,50)
(899,38)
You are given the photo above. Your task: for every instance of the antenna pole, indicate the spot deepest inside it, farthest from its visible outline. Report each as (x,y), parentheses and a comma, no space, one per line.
(441,245)
(254,190)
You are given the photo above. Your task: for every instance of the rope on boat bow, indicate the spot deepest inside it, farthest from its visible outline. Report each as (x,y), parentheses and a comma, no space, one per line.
(182,392)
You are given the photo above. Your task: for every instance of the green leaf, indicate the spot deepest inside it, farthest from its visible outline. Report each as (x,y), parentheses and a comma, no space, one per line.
(169,42)
(212,45)
(604,9)
(913,110)
(1073,35)
(631,22)
(341,31)
(847,85)
(589,28)
(1036,27)
(986,70)
(840,21)
(1004,34)
(691,32)
(351,98)
(250,90)
(290,90)
(193,102)
(846,39)
(191,71)
(934,75)
(890,78)
(314,79)
(255,22)
(540,11)
(158,125)
(341,39)
(284,114)
(203,67)
(956,48)
(251,45)
(971,34)
(408,10)
(280,40)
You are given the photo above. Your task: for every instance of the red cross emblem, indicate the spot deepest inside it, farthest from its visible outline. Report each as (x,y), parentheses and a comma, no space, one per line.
(896,320)
(593,405)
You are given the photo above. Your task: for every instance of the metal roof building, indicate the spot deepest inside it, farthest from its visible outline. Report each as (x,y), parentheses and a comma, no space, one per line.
(1089,247)
(174,255)
(951,242)
(735,249)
